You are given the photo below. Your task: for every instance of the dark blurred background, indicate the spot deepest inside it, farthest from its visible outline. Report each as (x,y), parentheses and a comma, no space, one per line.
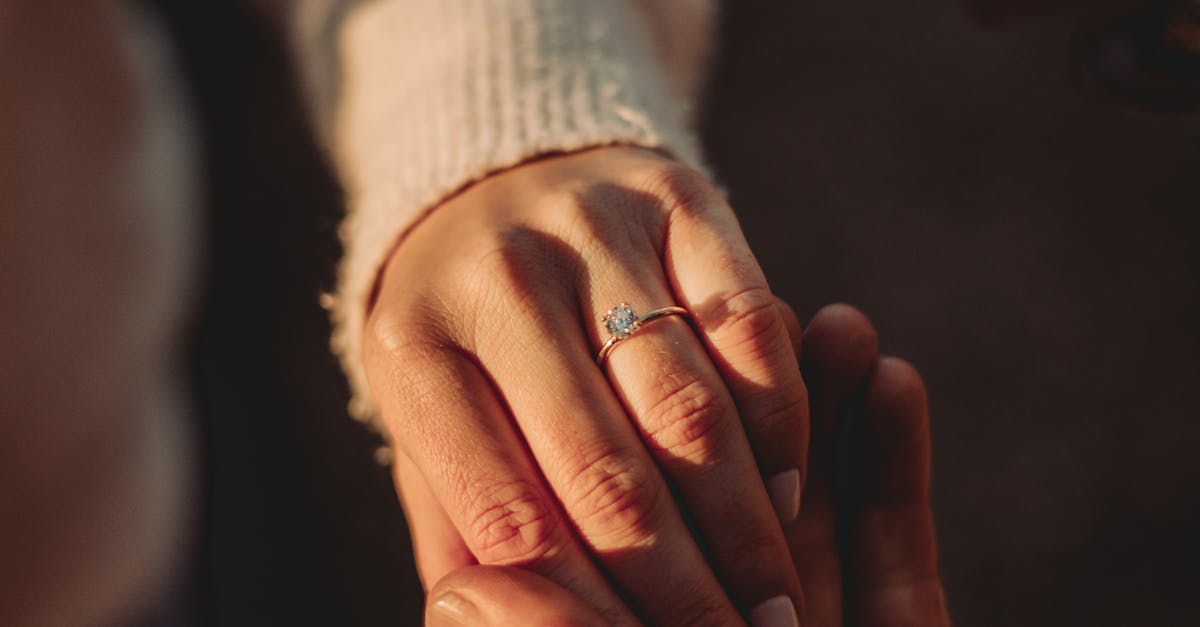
(1003,187)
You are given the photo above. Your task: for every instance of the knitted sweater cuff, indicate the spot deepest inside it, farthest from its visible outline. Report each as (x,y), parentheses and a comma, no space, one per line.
(434,95)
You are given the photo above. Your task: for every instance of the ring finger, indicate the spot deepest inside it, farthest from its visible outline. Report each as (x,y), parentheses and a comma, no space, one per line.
(596,464)
(688,420)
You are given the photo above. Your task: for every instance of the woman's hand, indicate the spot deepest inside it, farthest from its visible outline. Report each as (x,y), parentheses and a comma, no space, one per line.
(514,447)
(893,554)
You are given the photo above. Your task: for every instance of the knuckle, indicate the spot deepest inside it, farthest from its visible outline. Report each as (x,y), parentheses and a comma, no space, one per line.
(785,417)
(582,205)
(393,334)
(595,209)
(683,188)
(747,324)
(609,217)
(617,499)
(501,251)
(512,524)
(779,434)
(484,285)
(500,259)
(515,273)
(687,420)
(519,258)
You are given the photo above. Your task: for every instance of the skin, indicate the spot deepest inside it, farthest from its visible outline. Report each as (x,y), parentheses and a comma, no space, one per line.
(894,556)
(515,448)
(893,535)
(552,488)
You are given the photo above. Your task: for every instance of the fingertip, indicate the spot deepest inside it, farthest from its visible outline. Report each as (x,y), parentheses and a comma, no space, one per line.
(895,446)
(896,385)
(849,322)
(446,605)
(842,309)
(784,490)
(841,344)
(450,609)
(774,612)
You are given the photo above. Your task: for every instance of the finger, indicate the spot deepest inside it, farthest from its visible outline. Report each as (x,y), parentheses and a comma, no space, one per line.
(791,322)
(690,424)
(895,546)
(592,457)
(716,277)
(446,418)
(840,349)
(437,547)
(487,596)
(669,386)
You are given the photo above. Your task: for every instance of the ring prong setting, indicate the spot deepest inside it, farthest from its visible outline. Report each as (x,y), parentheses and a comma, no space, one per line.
(621,321)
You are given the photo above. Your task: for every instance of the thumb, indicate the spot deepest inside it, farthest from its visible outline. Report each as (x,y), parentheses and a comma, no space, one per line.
(499,595)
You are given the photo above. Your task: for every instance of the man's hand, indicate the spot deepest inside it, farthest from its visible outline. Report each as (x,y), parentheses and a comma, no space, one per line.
(492,596)
(892,562)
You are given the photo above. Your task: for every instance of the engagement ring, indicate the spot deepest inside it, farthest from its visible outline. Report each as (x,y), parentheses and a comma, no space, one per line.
(622,321)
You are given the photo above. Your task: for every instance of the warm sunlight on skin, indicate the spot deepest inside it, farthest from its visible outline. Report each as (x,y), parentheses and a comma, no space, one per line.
(483,300)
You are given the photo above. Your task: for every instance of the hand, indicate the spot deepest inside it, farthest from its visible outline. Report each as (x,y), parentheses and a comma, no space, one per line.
(890,573)
(493,596)
(894,561)
(514,447)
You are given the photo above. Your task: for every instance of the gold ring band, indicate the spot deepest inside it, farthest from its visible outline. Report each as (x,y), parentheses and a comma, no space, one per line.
(622,321)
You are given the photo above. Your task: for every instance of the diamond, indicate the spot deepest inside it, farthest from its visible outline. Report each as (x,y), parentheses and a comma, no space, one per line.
(621,321)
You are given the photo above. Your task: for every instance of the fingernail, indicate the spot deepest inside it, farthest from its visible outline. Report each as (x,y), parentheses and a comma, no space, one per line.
(452,609)
(784,489)
(775,612)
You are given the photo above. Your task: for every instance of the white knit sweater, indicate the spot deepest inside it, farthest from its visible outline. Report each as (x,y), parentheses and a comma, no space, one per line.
(418,98)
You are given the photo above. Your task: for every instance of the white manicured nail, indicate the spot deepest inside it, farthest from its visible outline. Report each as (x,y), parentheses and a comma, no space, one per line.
(775,612)
(784,489)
